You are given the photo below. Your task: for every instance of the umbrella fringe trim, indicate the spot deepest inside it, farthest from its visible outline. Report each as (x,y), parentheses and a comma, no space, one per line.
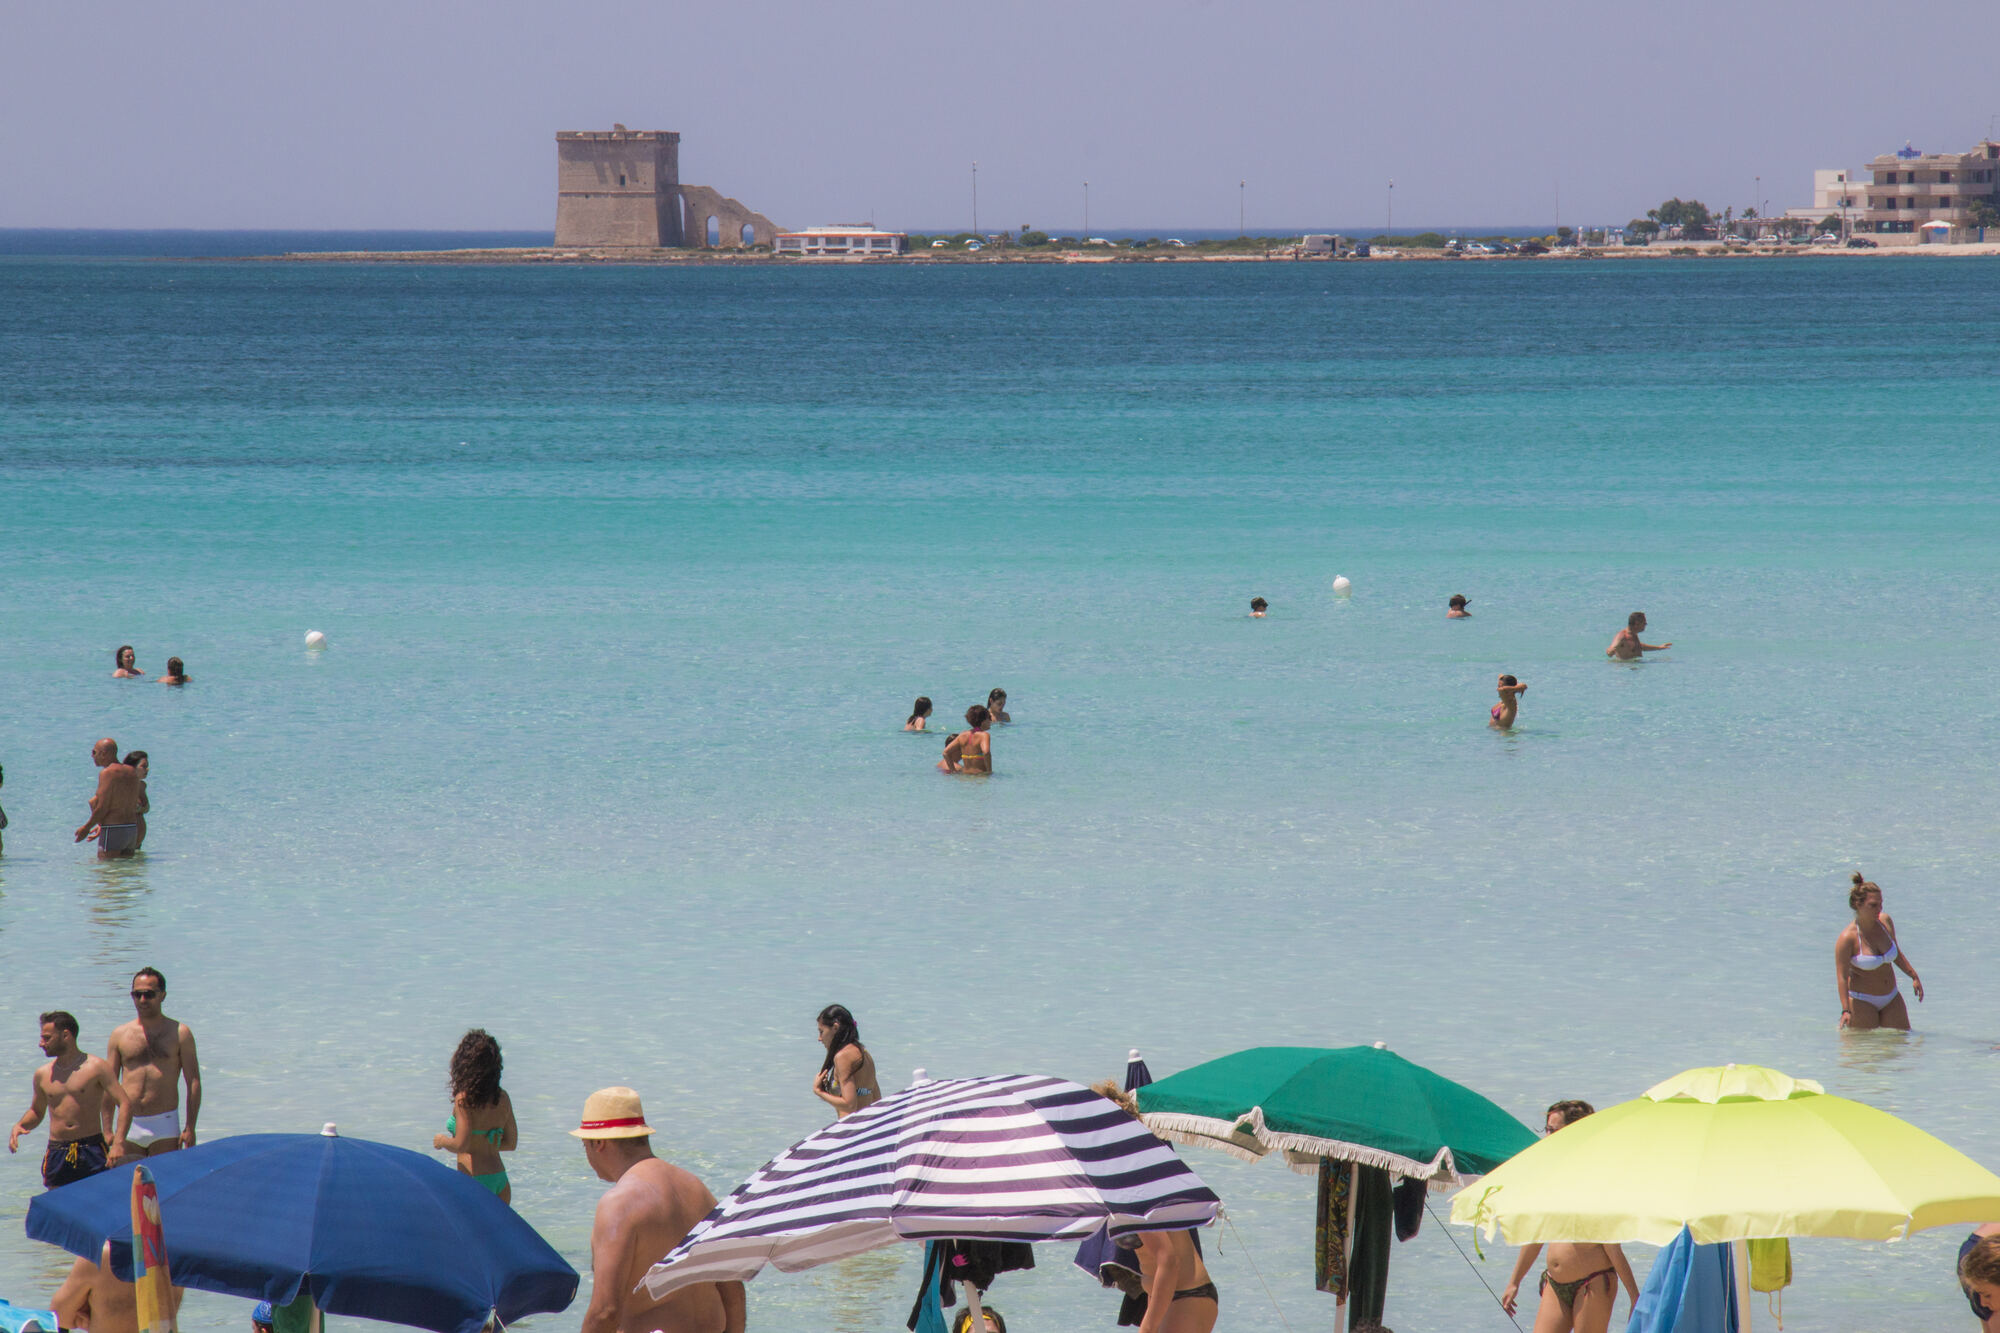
(1248,1139)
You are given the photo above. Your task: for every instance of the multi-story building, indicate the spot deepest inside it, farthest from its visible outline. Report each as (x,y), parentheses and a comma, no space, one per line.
(1912,188)
(1836,194)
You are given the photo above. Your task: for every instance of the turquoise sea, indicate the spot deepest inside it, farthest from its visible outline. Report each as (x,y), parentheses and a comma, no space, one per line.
(631,575)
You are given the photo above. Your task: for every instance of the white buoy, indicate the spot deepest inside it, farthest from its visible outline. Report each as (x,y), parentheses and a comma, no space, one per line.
(314,639)
(1341,585)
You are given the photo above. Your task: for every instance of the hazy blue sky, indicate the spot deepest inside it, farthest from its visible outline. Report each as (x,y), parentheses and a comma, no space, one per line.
(418,113)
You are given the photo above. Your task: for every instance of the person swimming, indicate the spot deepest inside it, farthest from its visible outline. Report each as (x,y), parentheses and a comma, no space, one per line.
(920,715)
(846,1080)
(970,751)
(125,664)
(139,763)
(481,1125)
(1861,964)
(1258,606)
(996,707)
(176,673)
(1625,645)
(1457,611)
(1503,714)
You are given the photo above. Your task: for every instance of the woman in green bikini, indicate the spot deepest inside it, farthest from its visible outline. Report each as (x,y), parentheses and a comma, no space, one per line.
(1580,1284)
(481,1126)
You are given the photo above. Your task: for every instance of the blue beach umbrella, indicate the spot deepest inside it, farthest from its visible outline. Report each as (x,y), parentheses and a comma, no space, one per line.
(364,1228)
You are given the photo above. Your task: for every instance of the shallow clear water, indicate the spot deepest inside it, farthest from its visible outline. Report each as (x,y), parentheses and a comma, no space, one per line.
(630,577)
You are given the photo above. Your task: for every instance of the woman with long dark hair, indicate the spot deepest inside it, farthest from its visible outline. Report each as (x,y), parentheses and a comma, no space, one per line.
(846,1080)
(970,751)
(481,1126)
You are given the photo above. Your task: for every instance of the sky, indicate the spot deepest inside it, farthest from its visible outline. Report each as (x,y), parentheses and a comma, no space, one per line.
(441,114)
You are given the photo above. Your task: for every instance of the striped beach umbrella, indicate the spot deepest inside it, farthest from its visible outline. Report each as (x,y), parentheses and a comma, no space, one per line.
(1015,1157)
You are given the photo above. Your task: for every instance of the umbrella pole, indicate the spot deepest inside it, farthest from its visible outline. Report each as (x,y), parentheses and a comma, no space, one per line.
(1739,1266)
(978,1316)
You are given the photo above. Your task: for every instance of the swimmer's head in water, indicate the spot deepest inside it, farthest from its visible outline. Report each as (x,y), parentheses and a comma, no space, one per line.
(1636,621)
(1860,892)
(921,709)
(124,657)
(996,699)
(1259,604)
(1458,601)
(1567,1113)
(977,716)
(175,667)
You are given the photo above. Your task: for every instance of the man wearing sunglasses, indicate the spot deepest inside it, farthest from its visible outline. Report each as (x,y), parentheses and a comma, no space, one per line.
(151,1056)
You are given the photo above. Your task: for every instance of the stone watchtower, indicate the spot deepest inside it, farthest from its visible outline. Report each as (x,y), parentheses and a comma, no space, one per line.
(618,187)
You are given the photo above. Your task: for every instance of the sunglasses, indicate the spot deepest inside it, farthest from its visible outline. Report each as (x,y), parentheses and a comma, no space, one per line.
(145,994)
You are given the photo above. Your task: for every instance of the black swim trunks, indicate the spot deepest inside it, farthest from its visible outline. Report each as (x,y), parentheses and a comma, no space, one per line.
(79,1159)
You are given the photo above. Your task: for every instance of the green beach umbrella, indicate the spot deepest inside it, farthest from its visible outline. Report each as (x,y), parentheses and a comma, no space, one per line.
(1362,1104)
(1735,1152)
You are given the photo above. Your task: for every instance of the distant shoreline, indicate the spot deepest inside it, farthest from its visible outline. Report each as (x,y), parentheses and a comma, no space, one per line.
(1095,255)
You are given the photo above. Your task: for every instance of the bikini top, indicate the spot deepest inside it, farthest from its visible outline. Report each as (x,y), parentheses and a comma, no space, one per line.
(1868,962)
(493,1135)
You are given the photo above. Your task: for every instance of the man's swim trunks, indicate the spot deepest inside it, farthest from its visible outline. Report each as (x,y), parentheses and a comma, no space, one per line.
(117,837)
(79,1159)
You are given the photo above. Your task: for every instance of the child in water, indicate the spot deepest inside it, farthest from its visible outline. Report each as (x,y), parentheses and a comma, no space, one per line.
(1258,606)
(1503,713)
(919,715)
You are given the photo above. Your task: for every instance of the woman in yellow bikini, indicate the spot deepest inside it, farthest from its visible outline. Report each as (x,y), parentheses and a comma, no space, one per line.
(481,1126)
(1580,1282)
(1862,971)
(970,751)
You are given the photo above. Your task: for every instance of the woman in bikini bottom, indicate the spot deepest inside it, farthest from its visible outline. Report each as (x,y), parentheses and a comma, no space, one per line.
(1566,1291)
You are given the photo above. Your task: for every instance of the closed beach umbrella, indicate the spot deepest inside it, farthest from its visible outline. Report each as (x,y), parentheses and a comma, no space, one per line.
(1016,1157)
(1736,1152)
(364,1228)
(1363,1104)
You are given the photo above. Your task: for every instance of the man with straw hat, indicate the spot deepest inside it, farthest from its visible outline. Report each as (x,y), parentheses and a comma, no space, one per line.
(649,1209)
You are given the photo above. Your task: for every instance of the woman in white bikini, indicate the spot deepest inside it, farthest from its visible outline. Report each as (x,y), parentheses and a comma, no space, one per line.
(1862,957)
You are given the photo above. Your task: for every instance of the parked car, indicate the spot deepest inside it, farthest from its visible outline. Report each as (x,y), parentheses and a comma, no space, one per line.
(1360,250)
(1860,243)
(1533,248)
(1826,238)
(1176,242)
(1636,239)
(975,245)
(939,245)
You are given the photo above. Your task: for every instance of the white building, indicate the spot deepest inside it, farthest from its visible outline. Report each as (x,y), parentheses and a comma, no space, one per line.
(842,240)
(1834,190)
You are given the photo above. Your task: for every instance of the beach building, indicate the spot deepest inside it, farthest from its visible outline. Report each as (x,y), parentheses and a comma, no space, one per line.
(843,240)
(1837,193)
(1912,188)
(621,189)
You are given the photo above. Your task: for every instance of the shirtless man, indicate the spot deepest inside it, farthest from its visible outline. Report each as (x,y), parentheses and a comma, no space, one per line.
(1626,647)
(114,809)
(70,1090)
(150,1056)
(649,1209)
(1578,1288)
(93,1298)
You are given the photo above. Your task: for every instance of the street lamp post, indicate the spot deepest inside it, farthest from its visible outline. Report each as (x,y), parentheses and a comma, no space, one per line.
(1389,223)
(975,198)
(1241,230)
(1086,210)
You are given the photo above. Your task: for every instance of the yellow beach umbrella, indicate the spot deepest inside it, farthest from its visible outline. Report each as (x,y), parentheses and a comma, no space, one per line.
(1737,1152)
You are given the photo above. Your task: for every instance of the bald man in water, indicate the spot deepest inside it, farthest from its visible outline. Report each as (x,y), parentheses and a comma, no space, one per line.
(92,1297)
(114,808)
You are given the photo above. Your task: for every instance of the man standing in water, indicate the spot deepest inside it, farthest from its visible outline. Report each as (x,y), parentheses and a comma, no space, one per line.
(649,1209)
(114,808)
(151,1056)
(1626,646)
(71,1090)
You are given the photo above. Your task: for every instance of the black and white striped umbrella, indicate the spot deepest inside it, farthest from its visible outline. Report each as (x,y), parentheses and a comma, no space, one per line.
(1016,1157)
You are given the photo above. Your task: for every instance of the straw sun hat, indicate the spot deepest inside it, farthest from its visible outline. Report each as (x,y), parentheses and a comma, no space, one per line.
(612,1113)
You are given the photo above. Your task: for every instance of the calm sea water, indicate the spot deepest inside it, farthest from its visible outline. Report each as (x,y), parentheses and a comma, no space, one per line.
(630,577)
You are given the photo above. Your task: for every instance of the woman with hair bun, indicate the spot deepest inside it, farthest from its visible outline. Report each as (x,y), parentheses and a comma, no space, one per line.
(481,1126)
(846,1079)
(1862,956)
(970,751)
